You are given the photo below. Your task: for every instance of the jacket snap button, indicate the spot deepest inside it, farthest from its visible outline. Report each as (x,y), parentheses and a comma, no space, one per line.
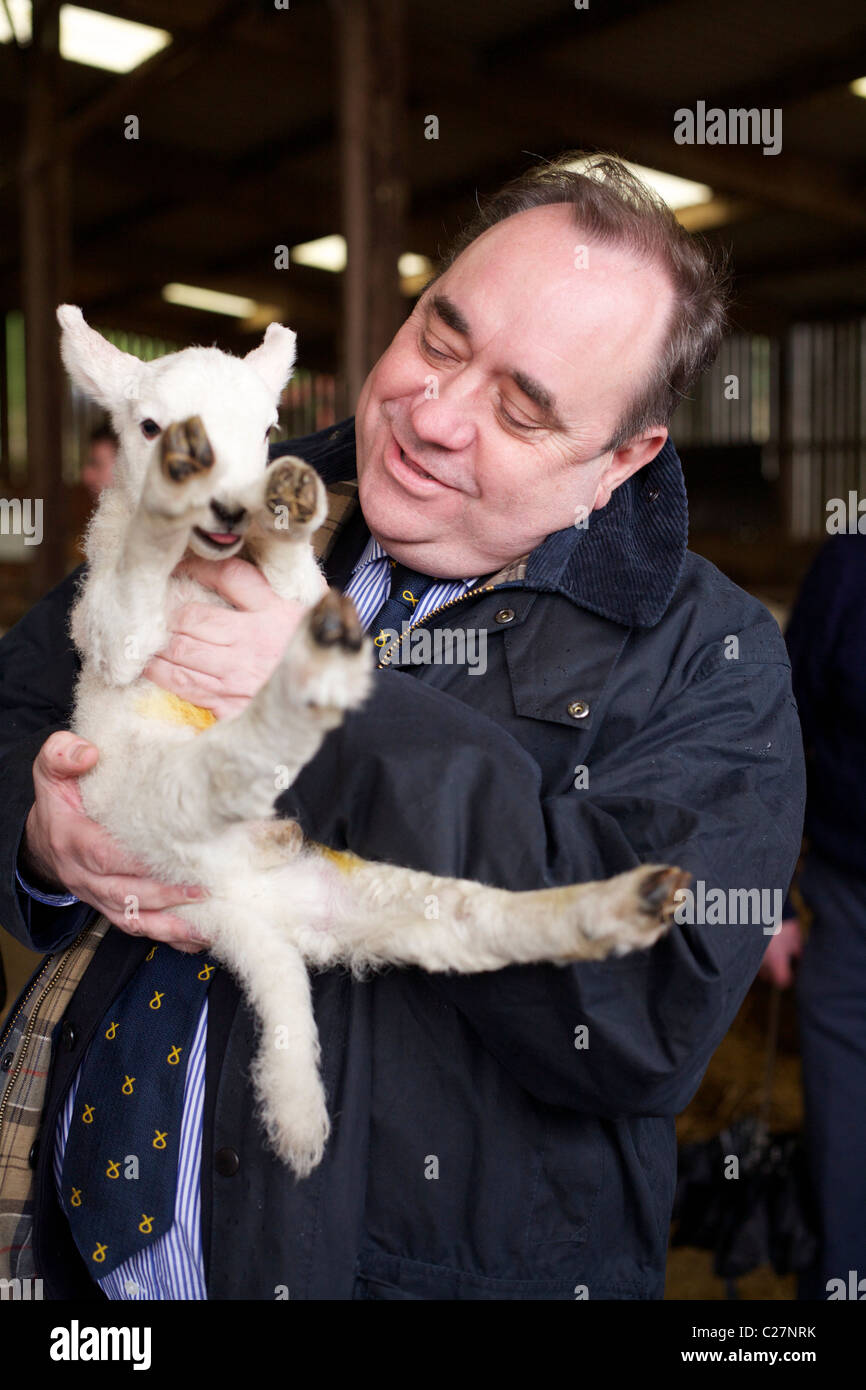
(505,615)
(335,434)
(33,1155)
(7,1061)
(578,709)
(226,1162)
(69,1034)
(652,493)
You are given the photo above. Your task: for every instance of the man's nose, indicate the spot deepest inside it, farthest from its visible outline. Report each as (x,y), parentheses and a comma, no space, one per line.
(446,418)
(228,515)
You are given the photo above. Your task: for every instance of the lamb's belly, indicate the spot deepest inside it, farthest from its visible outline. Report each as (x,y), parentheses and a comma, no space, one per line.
(128,726)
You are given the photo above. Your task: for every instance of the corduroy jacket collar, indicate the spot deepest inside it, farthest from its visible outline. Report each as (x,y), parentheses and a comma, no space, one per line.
(624,565)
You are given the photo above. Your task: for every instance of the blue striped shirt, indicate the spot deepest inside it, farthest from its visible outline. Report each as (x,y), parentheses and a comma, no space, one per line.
(173,1267)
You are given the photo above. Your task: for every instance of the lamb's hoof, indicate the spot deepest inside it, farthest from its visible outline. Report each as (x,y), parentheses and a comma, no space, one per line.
(294,489)
(658,889)
(185,450)
(334,623)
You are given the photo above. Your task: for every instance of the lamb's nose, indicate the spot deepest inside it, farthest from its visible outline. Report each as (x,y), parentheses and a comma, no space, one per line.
(226,515)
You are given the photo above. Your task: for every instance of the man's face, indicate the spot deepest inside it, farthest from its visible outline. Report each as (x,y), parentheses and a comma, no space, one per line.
(97,471)
(480,429)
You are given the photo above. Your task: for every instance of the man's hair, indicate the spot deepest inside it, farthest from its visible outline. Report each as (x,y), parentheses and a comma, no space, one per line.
(612,207)
(103,434)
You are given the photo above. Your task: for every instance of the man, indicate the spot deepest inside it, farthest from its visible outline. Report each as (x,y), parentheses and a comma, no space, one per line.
(97,470)
(507,1135)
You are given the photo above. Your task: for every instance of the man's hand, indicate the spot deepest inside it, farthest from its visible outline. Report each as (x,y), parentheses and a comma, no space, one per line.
(783,949)
(220,657)
(63,850)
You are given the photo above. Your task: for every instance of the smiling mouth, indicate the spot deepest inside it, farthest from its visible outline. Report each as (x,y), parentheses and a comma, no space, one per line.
(415,467)
(220,540)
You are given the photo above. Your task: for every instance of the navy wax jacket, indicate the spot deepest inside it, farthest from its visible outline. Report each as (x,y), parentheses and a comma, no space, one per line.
(826,640)
(478,1151)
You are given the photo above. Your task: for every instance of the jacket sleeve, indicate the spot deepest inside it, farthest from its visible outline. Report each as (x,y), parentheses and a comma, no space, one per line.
(716,785)
(38,669)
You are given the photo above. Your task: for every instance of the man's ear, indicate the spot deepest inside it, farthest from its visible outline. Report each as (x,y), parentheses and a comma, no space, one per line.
(104,373)
(625,461)
(274,357)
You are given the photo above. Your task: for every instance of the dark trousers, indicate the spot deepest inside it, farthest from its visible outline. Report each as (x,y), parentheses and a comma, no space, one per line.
(831,992)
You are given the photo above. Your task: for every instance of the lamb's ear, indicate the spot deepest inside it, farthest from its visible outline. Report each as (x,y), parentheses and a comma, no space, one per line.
(104,373)
(274,357)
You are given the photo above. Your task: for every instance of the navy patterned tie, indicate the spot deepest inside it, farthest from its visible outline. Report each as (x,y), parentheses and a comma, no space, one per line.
(120,1164)
(407,588)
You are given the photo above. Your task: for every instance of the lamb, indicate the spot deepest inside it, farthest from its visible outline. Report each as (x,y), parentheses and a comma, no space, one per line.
(193,797)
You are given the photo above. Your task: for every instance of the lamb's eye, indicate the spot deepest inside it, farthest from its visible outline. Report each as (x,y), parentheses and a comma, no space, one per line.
(150,429)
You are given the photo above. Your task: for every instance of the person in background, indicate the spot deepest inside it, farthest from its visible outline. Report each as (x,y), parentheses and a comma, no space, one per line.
(97,471)
(826,641)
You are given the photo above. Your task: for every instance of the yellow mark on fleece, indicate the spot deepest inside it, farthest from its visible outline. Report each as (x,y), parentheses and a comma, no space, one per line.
(164,704)
(343,858)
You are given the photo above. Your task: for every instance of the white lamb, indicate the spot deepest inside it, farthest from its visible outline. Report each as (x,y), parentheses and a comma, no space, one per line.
(194,797)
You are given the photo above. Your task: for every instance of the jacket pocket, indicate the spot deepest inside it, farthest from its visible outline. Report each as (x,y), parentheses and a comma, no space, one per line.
(390,1277)
(569,1179)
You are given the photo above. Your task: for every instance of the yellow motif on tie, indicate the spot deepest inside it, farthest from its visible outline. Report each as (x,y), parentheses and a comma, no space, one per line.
(159,1141)
(126,1088)
(409,597)
(206,972)
(111,1033)
(112,1164)
(87,1117)
(151,953)
(75,1199)
(174,1056)
(99,1253)
(156,1001)
(145,1225)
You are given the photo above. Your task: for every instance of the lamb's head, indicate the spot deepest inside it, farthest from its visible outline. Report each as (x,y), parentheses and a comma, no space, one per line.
(235,400)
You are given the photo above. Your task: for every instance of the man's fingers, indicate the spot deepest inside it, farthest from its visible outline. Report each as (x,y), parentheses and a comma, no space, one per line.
(64,754)
(144,894)
(237,581)
(157,926)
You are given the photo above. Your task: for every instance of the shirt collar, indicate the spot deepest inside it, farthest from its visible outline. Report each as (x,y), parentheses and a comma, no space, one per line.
(372,551)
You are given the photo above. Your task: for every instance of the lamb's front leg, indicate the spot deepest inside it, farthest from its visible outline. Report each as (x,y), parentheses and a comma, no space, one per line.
(390,915)
(292,506)
(235,770)
(121,620)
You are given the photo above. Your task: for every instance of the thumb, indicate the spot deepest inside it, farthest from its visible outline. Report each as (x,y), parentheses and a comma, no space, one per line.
(64,754)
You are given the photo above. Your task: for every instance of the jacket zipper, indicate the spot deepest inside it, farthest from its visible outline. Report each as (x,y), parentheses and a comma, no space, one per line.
(25,1041)
(384,659)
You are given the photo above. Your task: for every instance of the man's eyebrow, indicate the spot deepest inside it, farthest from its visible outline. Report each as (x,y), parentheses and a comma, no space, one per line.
(449,314)
(539,394)
(452,317)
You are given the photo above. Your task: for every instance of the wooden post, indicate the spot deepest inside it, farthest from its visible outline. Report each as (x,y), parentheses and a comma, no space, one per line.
(44,272)
(373,114)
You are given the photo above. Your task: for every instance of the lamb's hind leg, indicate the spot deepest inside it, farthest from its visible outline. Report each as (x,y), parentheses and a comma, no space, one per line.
(388,914)
(274,978)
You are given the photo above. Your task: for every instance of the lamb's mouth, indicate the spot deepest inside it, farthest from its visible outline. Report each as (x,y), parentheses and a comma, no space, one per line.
(218,540)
